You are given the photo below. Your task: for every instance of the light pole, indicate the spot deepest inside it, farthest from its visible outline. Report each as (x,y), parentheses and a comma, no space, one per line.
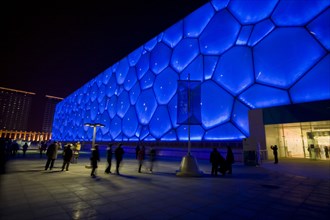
(93,125)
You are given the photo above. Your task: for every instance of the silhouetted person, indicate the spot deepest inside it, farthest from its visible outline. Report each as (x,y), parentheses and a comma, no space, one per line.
(109,158)
(274,148)
(326,151)
(25,147)
(137,149)
(95,157)
(152,158)
(222,165)
(230,159)
(14,148)
(140,157)
(119,152)
(214,160)
(51,155)
(67,156)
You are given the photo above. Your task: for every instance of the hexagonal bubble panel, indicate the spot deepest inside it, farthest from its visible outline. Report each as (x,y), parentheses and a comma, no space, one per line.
(160,122)
(226,131)
(259,96)
(160,58)
(220,34)
(131,79)
(105,119)
(170,136)
(143,65)
(196,132)
(195,23)
(244,35)
(210,63)
(130,123)
(165,85)
(142,132)
(320,28)
(103,105)
(289,13)
(134,93)
(283,56)
(134,57)
(314,85)
(112,106)
(184,53)
(219,4)
(111,86)
(235,69)
(173,35)
(260,30)
(146,106)
(149,46)
(194,70)
(122,71)
(240,116)
(101,93)
(94,110)
(248,12)
(214,113)
(115,127)
(94,92)
(122,104)
(147,80)
(173,110)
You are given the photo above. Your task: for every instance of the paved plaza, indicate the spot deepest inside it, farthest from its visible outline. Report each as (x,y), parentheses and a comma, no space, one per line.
(292,189)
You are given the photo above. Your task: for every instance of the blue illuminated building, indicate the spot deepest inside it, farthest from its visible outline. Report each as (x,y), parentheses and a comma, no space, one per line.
(248,54)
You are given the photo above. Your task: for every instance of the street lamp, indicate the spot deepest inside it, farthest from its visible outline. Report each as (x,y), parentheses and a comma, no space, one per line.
(94,130)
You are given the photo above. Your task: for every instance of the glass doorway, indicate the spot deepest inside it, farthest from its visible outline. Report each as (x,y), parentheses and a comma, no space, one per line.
(299,140)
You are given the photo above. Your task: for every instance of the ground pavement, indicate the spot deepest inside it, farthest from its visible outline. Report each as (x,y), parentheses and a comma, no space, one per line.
(292,189)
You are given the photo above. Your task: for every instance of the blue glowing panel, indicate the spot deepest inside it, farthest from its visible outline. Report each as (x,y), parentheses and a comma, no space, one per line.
(220,34)
(112,106)
(289,13)
(130,123)
(173,110)
(160,58)
(143,65)
(315,85)
(240,117)
(170,136)
(260,31)
(146,106)
(184,53)
(248,12)
(214,113)
(115,127)
(147,80)
(320,28)
(224,132)
(195,70)
(149,46)
(259,96)
(196,133)
(102,105)
(160,37)
(149,138)
(173,35)
(143,132)
(165,85)
(131,79)
(105,119)
(235,69)
(94,92)
(106,75)
(283,56)
(210,63)
(111,86)
(244,35)
(160,122)
(134,57)
(122,104)
(195,23)
(122,71)
(134,93)
(219,4)
(94,110)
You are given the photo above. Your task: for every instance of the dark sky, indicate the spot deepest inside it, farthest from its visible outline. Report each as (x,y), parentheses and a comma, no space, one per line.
(54,48)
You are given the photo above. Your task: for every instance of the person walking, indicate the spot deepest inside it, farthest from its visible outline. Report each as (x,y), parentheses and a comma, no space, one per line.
(274,148)
(152,154)
(137,149)
(214,160)
(51,155)
(95,157)
(140,157)
(326,151)
(109,158)
(229,159)
(25,147)
(67,156)
(119,152)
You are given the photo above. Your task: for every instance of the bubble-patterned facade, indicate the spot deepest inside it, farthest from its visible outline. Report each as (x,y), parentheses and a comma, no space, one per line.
(247,54)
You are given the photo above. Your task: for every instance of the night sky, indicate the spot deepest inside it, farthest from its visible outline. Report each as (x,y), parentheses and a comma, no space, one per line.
(54,48)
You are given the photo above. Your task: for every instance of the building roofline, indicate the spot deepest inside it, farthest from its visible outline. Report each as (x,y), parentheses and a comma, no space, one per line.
(19,91)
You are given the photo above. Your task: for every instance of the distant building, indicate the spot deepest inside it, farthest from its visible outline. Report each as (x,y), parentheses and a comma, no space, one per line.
(25,115)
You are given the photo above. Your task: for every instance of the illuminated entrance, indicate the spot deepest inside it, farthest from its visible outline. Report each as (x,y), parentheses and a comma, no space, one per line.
(296,139)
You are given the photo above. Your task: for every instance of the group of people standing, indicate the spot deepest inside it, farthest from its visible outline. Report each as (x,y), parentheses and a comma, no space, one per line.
(221,164)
